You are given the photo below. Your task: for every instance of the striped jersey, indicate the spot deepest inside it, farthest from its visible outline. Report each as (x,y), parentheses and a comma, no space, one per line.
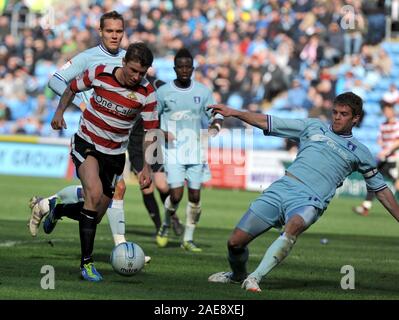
(389,135)
(113,109)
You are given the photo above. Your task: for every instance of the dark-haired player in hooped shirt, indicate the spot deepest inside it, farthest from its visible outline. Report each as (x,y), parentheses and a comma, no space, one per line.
(108,52)
(99,146)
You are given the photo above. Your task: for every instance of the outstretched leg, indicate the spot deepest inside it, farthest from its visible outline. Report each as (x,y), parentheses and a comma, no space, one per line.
(249,227)
(298,221)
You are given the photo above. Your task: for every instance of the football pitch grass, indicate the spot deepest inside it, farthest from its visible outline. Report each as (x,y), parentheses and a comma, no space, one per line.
(312,270)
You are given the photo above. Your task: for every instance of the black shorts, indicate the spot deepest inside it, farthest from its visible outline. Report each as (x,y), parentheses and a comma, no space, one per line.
(111,166)
(135,150)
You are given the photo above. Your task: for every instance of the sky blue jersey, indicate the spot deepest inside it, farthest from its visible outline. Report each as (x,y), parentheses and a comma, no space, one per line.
(180,112)
(81,62)
(324,158)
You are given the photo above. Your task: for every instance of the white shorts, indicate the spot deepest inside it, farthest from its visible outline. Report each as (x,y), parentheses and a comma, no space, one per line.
(195,174)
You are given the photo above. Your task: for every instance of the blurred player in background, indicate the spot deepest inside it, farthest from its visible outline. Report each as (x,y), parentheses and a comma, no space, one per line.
(98,148)
(181,105)
(388,157)
(159,178)
(327,155)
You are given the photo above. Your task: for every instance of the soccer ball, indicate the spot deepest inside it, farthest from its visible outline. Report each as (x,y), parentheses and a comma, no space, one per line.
(127,258)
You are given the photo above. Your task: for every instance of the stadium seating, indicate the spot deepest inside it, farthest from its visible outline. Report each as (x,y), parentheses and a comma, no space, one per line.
(367,133)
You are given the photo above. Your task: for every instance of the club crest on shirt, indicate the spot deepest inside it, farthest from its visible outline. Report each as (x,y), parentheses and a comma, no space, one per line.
(132,96)
(351,146)
(197,99)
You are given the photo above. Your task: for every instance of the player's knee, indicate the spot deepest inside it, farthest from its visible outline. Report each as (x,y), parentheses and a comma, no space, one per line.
(194,198)
(120,190)
(235,246)
(175,198)
(148,190)
(161,183)
(295,226)
(194,195)
(93,191)
(163,188)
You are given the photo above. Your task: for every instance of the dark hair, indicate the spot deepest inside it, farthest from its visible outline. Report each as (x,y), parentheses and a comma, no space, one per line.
(111,15)
(183,53)
(351,100)
(386,104)
(138,51)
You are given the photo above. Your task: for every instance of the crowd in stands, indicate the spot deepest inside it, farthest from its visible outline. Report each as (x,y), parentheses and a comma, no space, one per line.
(254,54)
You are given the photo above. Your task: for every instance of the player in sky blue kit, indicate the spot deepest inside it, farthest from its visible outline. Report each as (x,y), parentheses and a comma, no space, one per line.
(182,104)
(326,156)
(107,52)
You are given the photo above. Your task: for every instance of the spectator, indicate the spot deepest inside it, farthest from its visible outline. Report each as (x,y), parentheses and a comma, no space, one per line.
(383,61)
(355,28)
(246,51)
(274,79)
(296,96)
(5,113)
(374,10)
(334,44)
(391,96)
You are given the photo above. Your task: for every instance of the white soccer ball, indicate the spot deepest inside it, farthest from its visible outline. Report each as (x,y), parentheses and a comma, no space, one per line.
(127,258)
(324,241)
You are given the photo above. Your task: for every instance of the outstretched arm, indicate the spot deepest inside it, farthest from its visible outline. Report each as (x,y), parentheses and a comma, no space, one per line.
(387,199)
(258,120)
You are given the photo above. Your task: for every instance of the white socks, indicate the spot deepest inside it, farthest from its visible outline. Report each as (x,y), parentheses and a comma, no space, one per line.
(170,209)
(367,204)
(276,253)
(71,194)
(193,212)
(116,220)
(68,195)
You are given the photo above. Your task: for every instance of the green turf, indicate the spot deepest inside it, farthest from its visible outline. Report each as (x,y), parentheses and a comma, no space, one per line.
(312,270)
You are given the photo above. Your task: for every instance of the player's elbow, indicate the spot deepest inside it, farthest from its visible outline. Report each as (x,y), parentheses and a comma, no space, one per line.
(51,83)
(57,85)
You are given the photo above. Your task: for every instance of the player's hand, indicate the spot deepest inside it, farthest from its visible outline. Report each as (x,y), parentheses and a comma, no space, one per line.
(145,177)
(58,122)
(221,109)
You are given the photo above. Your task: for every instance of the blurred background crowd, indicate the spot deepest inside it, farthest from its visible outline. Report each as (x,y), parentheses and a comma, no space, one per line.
(283,57)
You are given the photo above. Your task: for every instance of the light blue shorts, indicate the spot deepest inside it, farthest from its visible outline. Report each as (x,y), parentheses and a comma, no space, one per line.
(278,203)
(195,174)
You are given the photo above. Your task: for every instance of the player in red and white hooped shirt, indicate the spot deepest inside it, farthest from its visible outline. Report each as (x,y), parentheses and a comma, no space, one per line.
(98,148)
(113,109)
